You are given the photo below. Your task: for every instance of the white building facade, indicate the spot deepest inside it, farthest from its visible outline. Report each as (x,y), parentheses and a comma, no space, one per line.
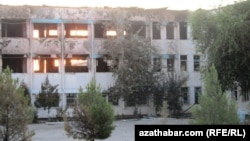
(64,44)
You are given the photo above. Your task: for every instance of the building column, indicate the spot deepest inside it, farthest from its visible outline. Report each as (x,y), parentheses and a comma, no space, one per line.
(1,61)
(92,63)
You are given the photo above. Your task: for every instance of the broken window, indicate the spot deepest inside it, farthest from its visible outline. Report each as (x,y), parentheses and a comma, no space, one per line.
(183,30)
(197,93)
(111,33)
(43,30)
(103,65)
(137,28)
(13,28)
(99,30)
(71,99)
(17,63)
(184,95)
(156,29)
(76,30)
(184,62)
(196,63)
(170,64)
(78,63)
(170,30)
(45,64)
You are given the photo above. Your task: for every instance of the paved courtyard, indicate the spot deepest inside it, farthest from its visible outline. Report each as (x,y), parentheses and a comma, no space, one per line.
(124,130)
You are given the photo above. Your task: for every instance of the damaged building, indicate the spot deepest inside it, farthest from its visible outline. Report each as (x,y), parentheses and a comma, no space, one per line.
(64,43)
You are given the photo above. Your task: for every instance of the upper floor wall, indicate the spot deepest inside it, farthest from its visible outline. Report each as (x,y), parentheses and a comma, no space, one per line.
(66,31)
(88,13)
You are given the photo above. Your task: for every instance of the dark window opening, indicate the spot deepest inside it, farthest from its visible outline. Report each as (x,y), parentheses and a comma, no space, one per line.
(184,94)
(137,28)
(76,64)
(76,30)
(111,93)
(183,30)
(170,64)
(13,28)
(113,100)
(103,65)
(197,93)
(156,29)
(45,64)
(236,93)
(99,30)
(17,63)
(71,99)
(184,62)
(170,30)
(196,63)
(157,64)
(42,30)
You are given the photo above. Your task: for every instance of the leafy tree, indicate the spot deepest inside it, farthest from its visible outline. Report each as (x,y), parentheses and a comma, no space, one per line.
(15,112)
(48,97)
(214,107)
(170,92)
(135,76)
(92,116)
(224,35)
(131,55)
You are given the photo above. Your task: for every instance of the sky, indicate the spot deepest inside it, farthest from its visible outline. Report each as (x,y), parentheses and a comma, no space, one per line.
(147,4)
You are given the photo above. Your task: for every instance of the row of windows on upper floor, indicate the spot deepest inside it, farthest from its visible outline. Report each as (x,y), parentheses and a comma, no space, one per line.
(81,63)
(17,28)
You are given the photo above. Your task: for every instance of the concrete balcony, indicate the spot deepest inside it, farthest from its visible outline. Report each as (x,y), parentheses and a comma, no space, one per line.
(15,45)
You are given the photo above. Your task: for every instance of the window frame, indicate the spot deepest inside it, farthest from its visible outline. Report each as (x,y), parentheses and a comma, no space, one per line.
(44,30)
(185,95)
(71,99)
(196,63)
(183,59)
(170,30)
(156,31)
(17,63)
(68,27)
(183,30)
(46,64)
(14,28)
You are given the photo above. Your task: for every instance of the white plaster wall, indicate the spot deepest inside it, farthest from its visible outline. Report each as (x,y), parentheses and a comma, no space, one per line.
(105,79)
(73,81)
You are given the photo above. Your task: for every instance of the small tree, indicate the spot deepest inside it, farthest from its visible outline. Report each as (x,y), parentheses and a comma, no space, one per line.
(48,97)
(27,94)
(15,113)
(92,116)
(214,107)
